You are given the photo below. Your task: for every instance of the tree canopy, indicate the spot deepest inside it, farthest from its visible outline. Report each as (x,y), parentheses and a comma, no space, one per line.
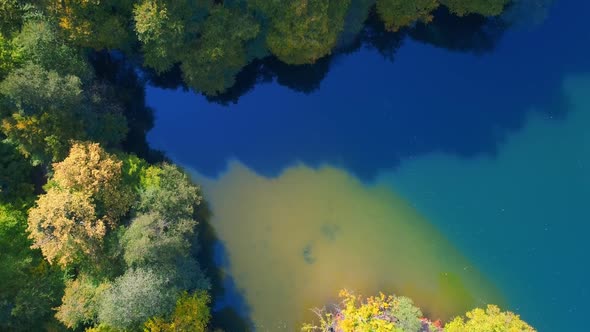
(397,14)
(79,305)
(167,29)
(15,175)
(85,198)
(302,32)
(220,53)
(135,297)
(95,23)
(91,235)
(30,288)
(488,319)
(377,313)
(210,41)
(481,7)
(151,239)
(389,313)
(49,99)
(191,313)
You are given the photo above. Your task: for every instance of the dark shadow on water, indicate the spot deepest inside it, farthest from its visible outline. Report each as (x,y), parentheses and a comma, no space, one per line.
(470,34)
(375,37)
(230,310)
(129,91)
(305,78)
(462,97)
(473,33)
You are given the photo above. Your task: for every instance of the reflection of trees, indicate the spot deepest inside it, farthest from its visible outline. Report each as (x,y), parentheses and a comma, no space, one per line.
(471,33)
(527,12)
(301,78)
(129,90)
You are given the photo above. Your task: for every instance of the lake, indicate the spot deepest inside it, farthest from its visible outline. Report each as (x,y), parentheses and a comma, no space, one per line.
(447,163)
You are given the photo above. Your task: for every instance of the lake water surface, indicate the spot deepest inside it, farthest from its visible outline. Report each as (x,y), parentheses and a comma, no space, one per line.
(455,172)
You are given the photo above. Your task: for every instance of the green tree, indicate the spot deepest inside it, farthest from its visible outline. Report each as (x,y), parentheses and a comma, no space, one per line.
(80,301)
(40,43)
(15,175)
(215,59)
(134,169)
(44,109)
(191,313)
(50,98)
(10,56)
(98,24)
(32,309)
(167,28)
(10,16)
(169,193)
(397,14)
(15,255)
(47,111)
(301,32)
(29,287)
(164,231)
(490,319)
(151,239)
(134,297)
(481,7)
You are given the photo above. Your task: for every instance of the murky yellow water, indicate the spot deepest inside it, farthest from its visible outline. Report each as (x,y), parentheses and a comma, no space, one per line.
(295,240)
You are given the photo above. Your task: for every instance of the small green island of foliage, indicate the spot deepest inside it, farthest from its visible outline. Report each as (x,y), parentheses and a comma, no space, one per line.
(93,237)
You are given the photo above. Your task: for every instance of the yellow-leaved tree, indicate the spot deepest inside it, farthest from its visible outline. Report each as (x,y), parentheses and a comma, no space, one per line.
(86,197)
(399,314)
(377,313)
(490,319)
(191,313)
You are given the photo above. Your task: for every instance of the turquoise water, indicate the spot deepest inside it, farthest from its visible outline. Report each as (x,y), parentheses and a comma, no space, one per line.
(470,149)
(523,215)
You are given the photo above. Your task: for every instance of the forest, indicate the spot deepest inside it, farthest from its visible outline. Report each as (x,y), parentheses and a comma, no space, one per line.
(98,232)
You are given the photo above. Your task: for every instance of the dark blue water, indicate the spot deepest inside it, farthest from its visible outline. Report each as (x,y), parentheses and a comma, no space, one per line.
(464,100)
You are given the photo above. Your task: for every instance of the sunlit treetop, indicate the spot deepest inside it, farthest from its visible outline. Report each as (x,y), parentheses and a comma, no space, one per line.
(489,319)
(98,24)
(481,7)
(86,197)
(135,297)
(377,313)
(64,225)
(10,56)
(91,170)
(397,14)
(167,28)
(80,301)
(42,109)
(212,62)
(398,314)
(301,32)
(40,43)
(50,96)
(192,313)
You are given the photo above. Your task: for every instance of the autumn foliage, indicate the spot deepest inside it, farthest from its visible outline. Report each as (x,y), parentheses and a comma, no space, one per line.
(389,313)
(85,198)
